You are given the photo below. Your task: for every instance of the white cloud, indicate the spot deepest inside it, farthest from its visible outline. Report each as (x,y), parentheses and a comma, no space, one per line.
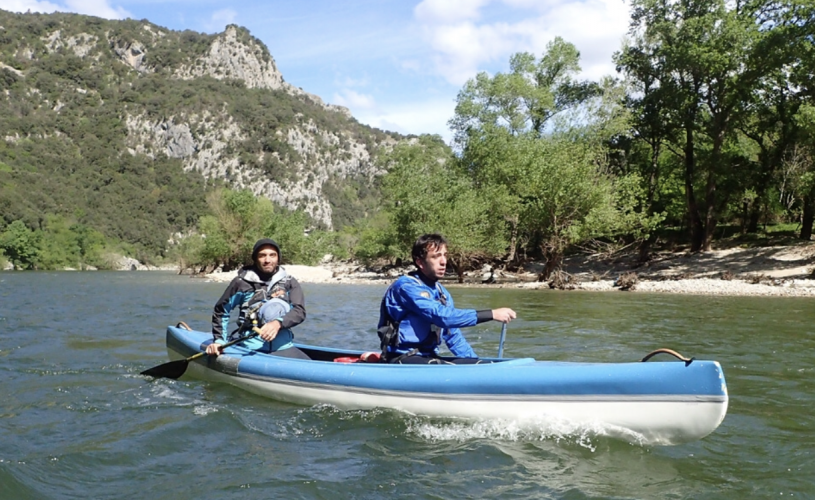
(220,19)
(353,82)
(447,11)
(98,8)
(354,100)
(417,117)
(461,49)
(26,5)
(462,45)
(411,65)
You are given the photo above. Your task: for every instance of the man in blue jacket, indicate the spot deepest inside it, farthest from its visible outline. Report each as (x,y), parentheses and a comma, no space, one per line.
(417,313)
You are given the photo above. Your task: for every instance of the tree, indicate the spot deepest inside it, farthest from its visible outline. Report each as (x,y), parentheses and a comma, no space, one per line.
(801,167)
(562,192)
(238,219)
(533,101)
(690,60)
(21,245)
(425,193)
(233,227)
(526,98)
(532,143)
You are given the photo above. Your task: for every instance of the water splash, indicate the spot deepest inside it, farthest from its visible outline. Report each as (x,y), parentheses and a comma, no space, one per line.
(204,410)
(541,429)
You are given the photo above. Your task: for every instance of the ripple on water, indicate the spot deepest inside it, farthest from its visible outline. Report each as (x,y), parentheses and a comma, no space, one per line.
(78,421)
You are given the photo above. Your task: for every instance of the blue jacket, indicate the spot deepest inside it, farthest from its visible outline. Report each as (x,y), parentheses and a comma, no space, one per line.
(414,306)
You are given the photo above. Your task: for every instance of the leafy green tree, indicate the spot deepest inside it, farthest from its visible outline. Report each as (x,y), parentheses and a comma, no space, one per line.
(21,245)
(526,98)
(188,251)
(499,117)
(532,144)
(59,245)
(374,238)
(692,59)
(90,243)
(771,127)
(561,193)
(238,219)
(801,167)
(235,224)
(426,193)
(289,229)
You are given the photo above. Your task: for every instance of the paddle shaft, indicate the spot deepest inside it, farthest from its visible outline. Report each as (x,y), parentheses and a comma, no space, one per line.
(501,344)
(175,369)
(255,333)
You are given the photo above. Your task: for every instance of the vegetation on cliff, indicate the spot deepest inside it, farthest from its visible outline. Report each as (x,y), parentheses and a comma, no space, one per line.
(117,129)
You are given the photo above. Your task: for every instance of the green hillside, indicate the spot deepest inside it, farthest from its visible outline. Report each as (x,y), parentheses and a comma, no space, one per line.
(123,128)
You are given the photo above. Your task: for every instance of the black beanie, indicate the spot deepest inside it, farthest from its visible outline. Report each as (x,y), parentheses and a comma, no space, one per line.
(263,242)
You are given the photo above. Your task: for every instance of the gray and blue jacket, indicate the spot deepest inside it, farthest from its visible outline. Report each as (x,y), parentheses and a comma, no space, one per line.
(248,288)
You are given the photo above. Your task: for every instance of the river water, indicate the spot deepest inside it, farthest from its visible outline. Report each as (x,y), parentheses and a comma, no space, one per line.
(78,421)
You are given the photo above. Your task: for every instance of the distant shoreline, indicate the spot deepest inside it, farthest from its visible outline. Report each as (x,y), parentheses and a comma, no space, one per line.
(777,271)
(781,271)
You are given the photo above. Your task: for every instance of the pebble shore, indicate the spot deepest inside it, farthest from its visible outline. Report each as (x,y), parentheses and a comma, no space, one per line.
(704,286)
(769,271)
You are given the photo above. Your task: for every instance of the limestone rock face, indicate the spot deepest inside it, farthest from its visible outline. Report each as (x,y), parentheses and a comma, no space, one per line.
(235,55)
(12,69)
(324,154)
(81,44)
(230,57)
(300,155)
(131,53)
(178,138)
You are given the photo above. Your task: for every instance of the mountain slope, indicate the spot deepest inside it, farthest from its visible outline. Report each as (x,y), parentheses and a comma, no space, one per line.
(124,125)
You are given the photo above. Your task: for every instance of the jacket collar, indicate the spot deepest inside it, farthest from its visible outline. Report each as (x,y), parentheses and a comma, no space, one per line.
(253,275)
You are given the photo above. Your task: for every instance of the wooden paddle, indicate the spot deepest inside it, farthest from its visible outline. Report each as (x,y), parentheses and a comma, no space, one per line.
(174,369)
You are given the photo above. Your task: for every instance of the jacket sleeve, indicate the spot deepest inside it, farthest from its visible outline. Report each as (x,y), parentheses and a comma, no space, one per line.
(410,296)
(220,313)
(453,337)
(297,313)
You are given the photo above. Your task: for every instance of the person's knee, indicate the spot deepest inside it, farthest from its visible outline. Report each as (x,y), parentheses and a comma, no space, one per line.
(273,309)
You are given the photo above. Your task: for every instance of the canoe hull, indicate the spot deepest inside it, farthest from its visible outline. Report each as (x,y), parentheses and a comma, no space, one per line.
(653,403)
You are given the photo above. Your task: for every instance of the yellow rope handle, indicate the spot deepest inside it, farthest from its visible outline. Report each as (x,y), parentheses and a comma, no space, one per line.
(183,325)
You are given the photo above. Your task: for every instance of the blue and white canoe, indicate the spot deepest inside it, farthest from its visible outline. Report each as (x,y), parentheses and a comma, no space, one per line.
(654,402)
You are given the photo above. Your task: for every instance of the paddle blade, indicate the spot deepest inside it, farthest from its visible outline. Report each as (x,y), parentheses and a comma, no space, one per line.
(173,369)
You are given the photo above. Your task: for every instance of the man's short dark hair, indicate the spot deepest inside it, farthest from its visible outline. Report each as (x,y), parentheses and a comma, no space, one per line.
(425,243)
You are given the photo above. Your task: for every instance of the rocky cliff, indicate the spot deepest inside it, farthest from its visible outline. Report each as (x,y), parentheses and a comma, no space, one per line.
(216,103)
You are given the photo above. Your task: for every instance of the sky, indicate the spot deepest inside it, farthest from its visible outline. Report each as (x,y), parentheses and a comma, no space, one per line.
(397,64)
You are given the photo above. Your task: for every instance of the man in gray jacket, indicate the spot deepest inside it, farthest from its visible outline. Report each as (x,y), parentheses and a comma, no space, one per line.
(276,295)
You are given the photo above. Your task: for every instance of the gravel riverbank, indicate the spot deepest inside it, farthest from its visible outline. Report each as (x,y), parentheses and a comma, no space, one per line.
(764,271)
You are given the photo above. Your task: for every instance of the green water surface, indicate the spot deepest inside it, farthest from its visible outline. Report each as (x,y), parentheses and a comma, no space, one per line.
(77,421)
